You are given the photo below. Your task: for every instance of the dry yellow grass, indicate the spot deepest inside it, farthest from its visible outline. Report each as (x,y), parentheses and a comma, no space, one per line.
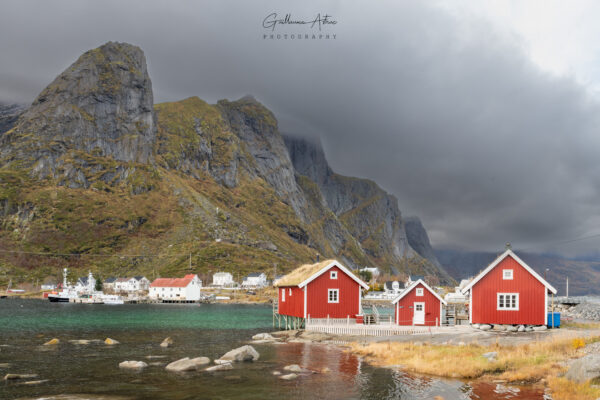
(522,363)
(564,389)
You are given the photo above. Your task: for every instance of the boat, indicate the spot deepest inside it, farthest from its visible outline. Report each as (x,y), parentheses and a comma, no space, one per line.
(84,294)
(110,298)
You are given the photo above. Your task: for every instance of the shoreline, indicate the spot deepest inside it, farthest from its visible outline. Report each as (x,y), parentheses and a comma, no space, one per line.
(528,359)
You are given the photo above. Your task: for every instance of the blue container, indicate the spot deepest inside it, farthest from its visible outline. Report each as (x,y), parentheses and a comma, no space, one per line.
(556,323)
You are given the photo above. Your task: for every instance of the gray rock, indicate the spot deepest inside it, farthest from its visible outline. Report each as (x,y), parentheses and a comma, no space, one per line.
(133,365)
(540,328)
(585,368)
(288,377)
(263,336)
(187,364)
(244,353)
(511,328)
(10,377)
(276,373)
(221,367)
(476,326)
(491,356)
(528,329)
(168,342)
(485,327)
(295,368)
(219,362)
(34,383)
(521,328)
(499,328)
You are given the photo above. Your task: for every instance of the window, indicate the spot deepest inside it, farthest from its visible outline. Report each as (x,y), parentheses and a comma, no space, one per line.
(290,292)
(333,275)
(508,301)
(419,291)
(418,307)
(283,295)
(333,296)
(507,274)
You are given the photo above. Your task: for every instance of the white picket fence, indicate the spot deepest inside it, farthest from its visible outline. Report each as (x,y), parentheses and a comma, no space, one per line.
(348,326)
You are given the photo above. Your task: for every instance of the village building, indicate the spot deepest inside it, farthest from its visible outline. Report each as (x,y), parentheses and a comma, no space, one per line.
(223,279)
(508,292)
(121,284)
(392,288)
(109,283)
(137,284)
(418,304)
(255,280)
(176,289)
(412,279)
(323,290)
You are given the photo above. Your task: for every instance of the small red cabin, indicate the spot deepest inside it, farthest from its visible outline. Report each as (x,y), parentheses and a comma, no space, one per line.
(509,292)
(418,304)
(322,290)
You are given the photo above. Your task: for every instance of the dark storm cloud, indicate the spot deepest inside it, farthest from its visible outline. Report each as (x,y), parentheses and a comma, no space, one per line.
(447,114)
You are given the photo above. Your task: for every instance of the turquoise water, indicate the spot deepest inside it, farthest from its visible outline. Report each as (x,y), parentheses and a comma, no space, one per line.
(197,330)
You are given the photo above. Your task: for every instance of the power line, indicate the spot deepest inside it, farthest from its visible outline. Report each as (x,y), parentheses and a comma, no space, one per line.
(83,254)
(562,241)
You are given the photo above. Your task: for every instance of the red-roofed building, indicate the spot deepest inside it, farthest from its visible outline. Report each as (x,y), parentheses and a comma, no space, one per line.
(185,289)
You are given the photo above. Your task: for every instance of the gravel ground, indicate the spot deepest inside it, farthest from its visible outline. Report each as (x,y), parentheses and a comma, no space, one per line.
(587,311)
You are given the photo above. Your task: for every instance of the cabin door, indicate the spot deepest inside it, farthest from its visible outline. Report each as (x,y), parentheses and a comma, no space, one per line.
(419,313)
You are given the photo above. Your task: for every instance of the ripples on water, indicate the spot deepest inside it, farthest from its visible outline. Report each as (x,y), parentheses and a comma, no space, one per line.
(205,330)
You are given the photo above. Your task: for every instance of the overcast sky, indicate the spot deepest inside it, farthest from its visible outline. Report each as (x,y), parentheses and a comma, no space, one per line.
(481,117)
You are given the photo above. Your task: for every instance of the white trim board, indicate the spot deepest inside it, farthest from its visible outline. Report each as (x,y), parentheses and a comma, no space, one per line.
(507,253)
(329,266)
(412,286)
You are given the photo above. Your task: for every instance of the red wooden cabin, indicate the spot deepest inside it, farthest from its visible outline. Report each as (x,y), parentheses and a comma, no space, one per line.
(509,292)
(418,304)
(323,290)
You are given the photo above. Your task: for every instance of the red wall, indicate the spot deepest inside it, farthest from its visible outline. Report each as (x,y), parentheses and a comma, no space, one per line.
(317,305)
(532,303)
(294,304)
(405,307)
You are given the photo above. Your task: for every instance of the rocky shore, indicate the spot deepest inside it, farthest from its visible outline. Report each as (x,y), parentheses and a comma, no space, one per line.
(587,311)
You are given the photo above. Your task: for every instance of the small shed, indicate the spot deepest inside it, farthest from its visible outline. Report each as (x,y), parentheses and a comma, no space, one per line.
(418,304)
(323,290)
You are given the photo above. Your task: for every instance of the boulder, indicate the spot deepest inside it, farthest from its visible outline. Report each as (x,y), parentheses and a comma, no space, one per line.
(52,342)
(110,341)
(80,341)
(150,357)
(244,353)
(220,367)
(528,329)
(187,364)
(263,336)
(584,369)
(499,328)
(219,362)
(511,328)
(288,377)
(540,328)
(276,373)
(168,342)
(521,328)
(133,365)
(295,368)
(10,377)
(485,327)
(491,356)
(476,326)
(33,383)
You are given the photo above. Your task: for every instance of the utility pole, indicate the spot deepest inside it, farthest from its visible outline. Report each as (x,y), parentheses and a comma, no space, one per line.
(567,287)
(190,268)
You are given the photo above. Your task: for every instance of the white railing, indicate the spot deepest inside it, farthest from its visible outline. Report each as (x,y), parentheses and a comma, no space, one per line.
(369,330)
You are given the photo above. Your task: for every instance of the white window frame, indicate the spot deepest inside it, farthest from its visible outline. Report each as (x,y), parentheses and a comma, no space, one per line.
(333,275)
(419,292)
(509,276)
(337,295)
(283,295)
(290,293)
(504,307)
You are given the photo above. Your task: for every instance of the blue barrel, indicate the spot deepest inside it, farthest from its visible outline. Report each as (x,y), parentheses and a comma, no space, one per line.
(554,323)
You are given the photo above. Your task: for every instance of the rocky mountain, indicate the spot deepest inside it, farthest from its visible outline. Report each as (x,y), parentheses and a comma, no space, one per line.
(93,169)
(584,276)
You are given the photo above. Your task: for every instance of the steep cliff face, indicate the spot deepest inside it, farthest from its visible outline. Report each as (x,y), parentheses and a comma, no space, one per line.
(368,213)
(92,167)
(102,105)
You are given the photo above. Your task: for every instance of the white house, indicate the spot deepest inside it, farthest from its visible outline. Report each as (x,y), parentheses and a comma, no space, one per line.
(392,288)
(223,279)
(185,289)
(255,280)
(121,284)
(136,284)
(109,283)
(412,279)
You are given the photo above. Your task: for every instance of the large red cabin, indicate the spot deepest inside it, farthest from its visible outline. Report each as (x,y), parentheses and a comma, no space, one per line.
(418,304)
(323,290)
(509,292)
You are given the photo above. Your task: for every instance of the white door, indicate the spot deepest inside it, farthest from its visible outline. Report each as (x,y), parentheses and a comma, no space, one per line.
(419,313)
